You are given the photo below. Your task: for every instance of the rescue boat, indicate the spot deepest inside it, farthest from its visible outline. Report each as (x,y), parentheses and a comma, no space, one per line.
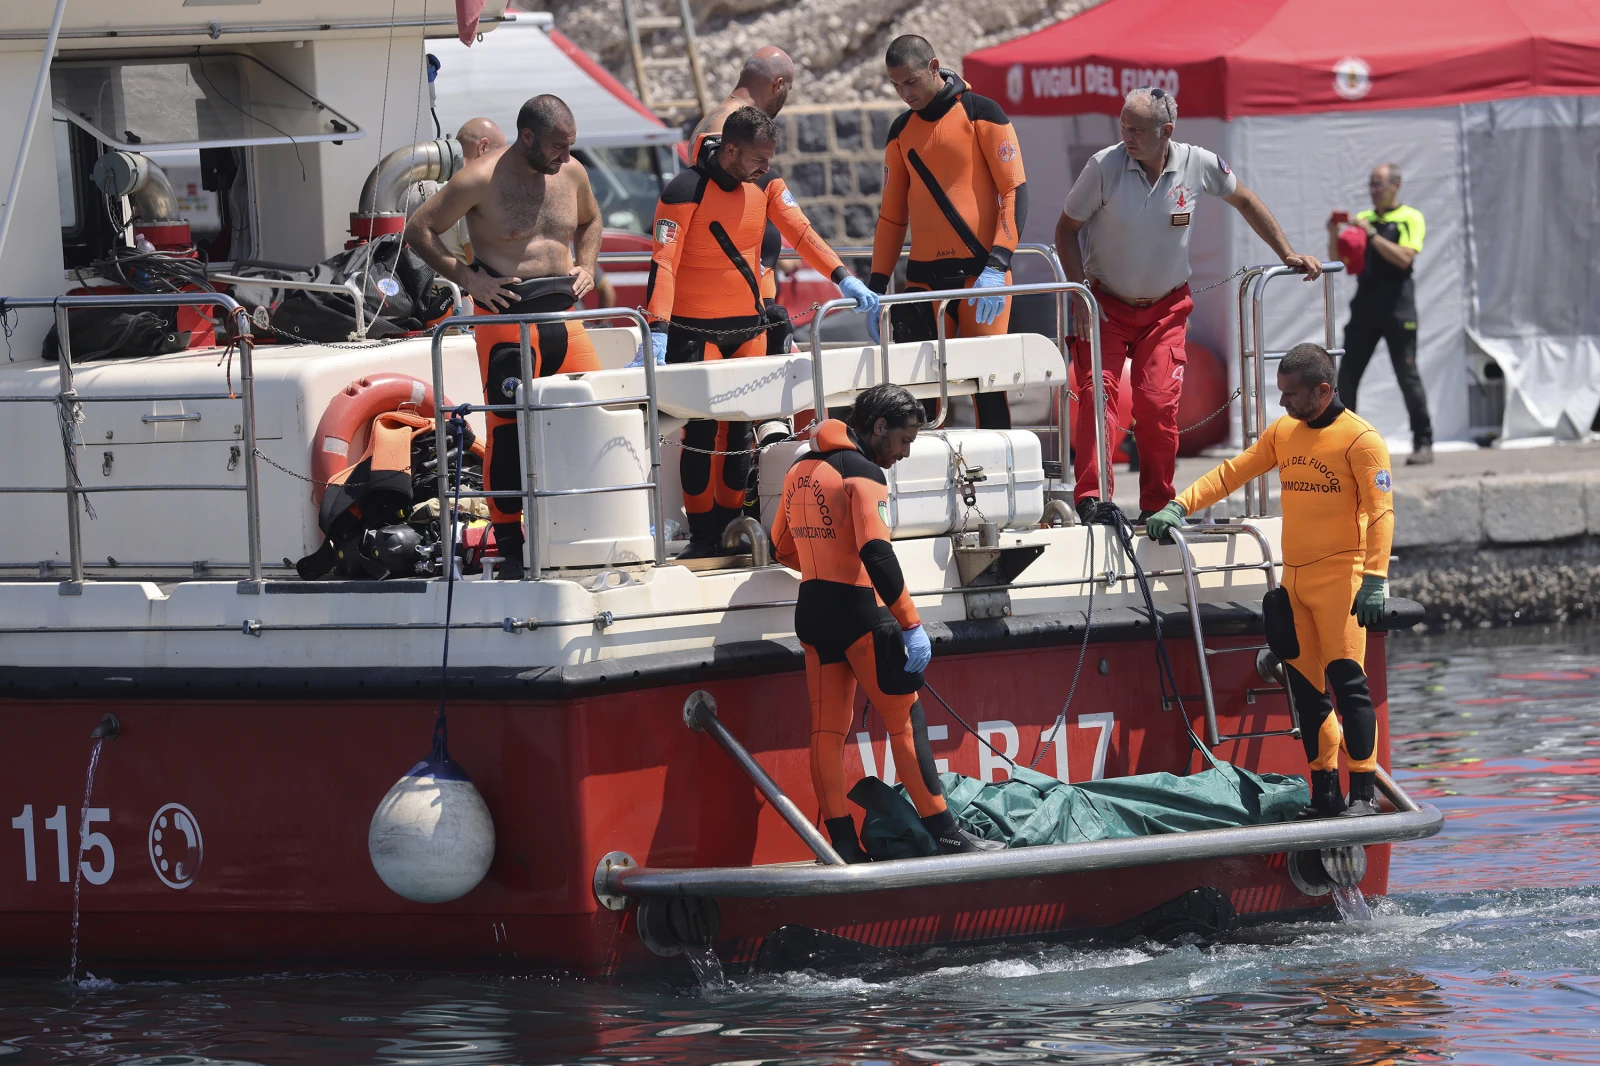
(617,767)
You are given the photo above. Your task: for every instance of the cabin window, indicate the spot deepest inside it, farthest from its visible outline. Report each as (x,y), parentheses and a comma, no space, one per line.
(206,100)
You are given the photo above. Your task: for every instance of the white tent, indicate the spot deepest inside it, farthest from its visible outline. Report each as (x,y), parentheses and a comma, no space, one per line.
(1508,284)
(523,59)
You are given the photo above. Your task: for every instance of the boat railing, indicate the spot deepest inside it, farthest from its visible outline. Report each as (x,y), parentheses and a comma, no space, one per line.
(349,288)
(1191,584)
(1063,290)
(524,407)
(68,402)
(531,494)
(1058,407)
(1253,359)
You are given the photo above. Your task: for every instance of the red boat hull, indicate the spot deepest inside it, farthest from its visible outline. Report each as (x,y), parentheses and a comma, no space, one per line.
(281,792)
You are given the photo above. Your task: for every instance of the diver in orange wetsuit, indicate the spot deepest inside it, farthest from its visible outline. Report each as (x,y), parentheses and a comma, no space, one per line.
(952,174)
(832,527)
(705,302)
(1338,527)
(764,82)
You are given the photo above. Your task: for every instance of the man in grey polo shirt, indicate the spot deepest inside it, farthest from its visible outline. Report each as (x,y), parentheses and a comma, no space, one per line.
(1125,228)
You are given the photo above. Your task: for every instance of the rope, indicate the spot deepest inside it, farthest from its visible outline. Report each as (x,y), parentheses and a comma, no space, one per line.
(441,731)
(69,415)
(1058,731)
(964,724)
(1111,514)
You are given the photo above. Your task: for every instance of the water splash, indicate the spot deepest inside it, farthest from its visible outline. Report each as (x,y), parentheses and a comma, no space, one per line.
(1351,903)
(77,870)
(707,967)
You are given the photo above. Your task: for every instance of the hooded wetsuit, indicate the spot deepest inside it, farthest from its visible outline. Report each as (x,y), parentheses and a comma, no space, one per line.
(557,348)
(771,248)
(832,527)
(1338,524)
(709,229)
(952,173)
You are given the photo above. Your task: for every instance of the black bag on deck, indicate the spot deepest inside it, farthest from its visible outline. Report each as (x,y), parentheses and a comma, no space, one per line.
(377,266)
(112,333)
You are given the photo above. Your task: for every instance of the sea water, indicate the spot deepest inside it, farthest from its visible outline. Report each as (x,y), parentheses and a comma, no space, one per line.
(1486,950)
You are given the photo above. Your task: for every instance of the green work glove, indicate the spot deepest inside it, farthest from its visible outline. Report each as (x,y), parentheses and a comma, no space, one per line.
(1159,526)
(1368,607)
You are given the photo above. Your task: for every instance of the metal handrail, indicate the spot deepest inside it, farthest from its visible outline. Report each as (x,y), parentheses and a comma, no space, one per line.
(1253,359)
(1191,586)
(530,492)
(789,880)
(1059,412)
(940,297)
(349,288)
(68,396)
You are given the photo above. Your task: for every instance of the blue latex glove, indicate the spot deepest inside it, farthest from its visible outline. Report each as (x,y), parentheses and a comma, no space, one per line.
(658,346)
(866,302)
(989,307)
(919,649)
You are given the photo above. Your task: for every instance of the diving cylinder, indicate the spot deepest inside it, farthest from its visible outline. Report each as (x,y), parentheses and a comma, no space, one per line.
(432,838)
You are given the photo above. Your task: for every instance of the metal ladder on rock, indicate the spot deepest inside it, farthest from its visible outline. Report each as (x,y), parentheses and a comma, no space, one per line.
(681,23)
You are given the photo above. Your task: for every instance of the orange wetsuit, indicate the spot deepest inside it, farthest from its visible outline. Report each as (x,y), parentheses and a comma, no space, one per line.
(771,248)
(704,294)
(1338,524)
(831,527)
(557,348)
(952,173)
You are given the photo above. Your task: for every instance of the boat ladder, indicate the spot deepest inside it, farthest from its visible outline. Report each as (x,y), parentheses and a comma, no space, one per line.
(1191,585)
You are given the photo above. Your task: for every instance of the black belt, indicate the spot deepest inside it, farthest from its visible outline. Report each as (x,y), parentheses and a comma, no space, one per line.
(536,296)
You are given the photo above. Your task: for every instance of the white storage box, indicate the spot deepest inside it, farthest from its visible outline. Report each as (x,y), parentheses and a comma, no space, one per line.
(585,448)
(925,498)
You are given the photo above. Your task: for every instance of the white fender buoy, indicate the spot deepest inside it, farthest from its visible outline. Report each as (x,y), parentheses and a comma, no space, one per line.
(432,838)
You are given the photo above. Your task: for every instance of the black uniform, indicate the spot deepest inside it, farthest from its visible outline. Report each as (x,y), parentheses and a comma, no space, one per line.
(1385,308)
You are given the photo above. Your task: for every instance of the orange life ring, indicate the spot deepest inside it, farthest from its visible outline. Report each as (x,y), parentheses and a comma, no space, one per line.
(342,433)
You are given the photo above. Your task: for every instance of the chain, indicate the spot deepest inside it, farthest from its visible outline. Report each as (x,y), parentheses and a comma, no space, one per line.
(748,332)
(279,466)
(1218,284)
(741,451)
(1073,396)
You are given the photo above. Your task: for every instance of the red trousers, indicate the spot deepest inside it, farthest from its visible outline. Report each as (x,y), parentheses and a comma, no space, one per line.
(1153,338)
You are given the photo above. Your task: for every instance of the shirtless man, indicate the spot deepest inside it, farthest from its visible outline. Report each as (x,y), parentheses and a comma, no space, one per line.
(527,205)
(764,83)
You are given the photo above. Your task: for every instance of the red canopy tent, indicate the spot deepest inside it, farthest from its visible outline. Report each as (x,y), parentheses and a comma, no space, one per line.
(1232,58)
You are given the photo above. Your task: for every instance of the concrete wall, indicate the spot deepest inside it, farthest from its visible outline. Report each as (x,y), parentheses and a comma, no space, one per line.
(832,160)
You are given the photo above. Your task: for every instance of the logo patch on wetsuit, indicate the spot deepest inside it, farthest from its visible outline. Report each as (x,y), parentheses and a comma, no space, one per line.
(1006,152)
(508,387)
(666,231)
(883,511)
(788,198)
(1384,482)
